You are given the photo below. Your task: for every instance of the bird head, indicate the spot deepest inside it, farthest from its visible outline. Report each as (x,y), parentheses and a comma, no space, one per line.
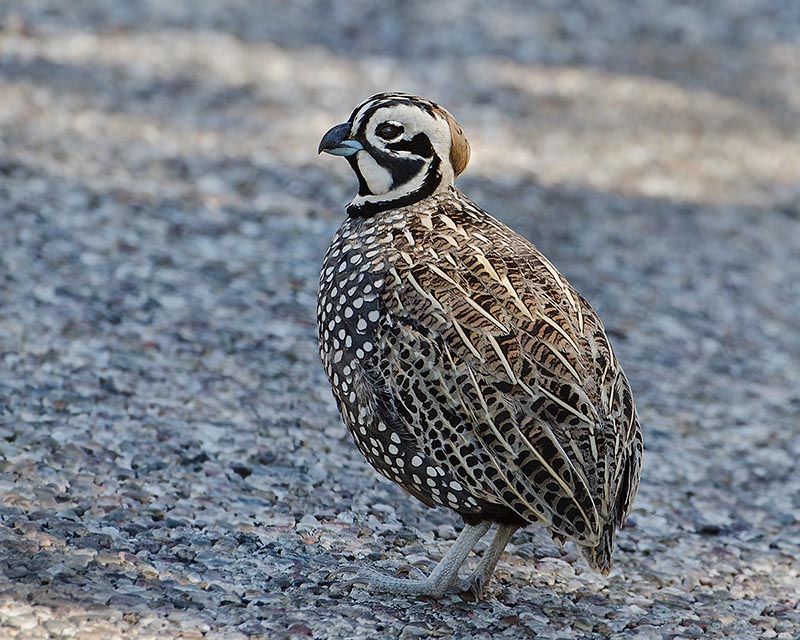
(402,148)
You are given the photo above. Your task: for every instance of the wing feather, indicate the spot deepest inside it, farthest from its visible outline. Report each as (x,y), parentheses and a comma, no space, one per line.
(524,363)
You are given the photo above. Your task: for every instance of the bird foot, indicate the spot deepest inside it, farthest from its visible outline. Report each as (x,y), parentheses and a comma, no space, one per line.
(376,582)
(440,581)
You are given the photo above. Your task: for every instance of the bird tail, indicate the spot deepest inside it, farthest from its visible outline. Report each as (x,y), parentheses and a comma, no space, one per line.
(599,555)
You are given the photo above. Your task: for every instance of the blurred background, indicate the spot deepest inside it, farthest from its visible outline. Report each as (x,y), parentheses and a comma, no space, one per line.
(171,457)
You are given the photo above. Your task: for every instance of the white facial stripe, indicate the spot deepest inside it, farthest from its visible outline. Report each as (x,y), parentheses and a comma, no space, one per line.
(363,110)
(378,178)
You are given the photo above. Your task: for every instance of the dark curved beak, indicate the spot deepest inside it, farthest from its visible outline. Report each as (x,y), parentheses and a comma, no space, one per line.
(337,143)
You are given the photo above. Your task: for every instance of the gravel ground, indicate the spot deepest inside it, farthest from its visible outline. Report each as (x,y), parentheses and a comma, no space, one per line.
(172,462)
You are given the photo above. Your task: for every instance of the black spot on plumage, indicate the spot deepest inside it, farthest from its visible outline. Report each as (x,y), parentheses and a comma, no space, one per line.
(504,386)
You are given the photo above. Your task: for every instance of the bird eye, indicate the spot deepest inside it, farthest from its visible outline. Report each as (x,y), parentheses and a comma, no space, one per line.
(389,131)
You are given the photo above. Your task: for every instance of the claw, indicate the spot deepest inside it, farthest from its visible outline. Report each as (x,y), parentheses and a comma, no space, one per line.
(474,585)
(477,588)
(411,569)
(363,576)
(349,584)
(345,569)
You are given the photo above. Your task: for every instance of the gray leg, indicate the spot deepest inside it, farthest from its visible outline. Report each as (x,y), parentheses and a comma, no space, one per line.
(479,579)
(436,584)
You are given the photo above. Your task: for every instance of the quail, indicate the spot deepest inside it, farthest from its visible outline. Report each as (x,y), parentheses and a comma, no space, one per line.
(466,368)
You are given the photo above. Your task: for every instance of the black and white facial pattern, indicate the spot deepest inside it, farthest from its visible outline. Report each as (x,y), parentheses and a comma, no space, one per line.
(405,156)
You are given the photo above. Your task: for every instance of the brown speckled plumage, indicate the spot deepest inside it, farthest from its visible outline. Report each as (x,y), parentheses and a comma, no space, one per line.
(470,372)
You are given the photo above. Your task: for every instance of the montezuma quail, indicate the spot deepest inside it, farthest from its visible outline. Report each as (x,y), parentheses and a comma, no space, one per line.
(465,366)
